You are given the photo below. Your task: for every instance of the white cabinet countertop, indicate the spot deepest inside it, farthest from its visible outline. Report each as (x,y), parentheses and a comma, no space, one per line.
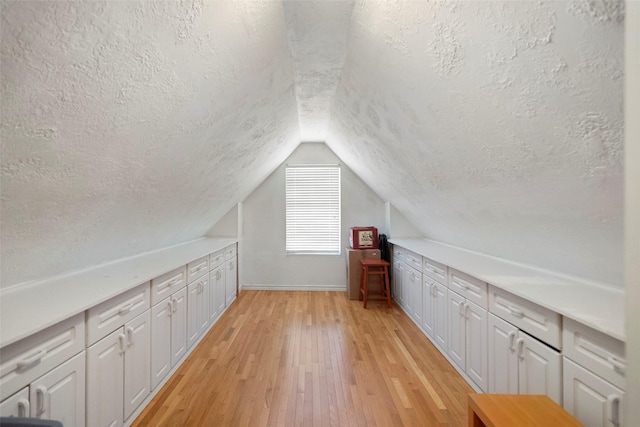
(597,305)
(31,307)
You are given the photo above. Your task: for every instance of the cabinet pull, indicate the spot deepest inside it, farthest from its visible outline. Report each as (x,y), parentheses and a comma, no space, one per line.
(129,332)
(41,395)
(170,306)
(613,409)
(512,337)
(23,408)
(618,365)
(520,342)
(461,308)
(174,305)
(218,274)
(174,281)
(434,291)
(516,311)
(125,308)
(32,359)
(121,343)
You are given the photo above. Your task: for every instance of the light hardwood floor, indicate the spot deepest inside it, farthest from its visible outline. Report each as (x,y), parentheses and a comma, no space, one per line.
(311,359)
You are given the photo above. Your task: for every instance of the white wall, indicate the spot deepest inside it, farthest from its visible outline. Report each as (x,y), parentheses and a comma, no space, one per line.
(265,262)
(493,125)
(632,205)
(130,126)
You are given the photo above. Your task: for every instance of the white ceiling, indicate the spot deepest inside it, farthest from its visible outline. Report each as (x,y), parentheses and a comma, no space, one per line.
(129,126)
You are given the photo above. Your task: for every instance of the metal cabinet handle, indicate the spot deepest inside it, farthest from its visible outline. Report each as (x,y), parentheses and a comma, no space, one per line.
(466,311)
(613,409)
(41,397)
(125,308)
(512,337)
(618,365)
(33,359)
(23,408)
(170,307)
(521,347)
(121,343)
(129,332)
(461,308)
(516,311)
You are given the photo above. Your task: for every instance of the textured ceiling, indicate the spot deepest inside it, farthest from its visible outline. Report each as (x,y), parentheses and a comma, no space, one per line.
(128,126)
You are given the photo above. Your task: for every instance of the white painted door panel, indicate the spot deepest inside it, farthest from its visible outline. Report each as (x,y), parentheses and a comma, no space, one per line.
(502,358)
(539,370)
(17,405)
(105,376)
(178,326)
(137,374)
(231,281)
(428,305)
(456,326)
(160,341)
(398,273)
(60,394)
(440,321)
(590,399)
(476,344)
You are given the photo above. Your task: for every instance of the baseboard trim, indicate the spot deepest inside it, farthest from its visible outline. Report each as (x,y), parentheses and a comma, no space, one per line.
(293,288)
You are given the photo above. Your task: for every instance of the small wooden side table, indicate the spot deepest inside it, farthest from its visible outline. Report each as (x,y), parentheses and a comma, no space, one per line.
(509,410)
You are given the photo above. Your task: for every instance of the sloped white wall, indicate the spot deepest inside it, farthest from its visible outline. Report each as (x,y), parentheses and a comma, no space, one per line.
(494,126)
(265,262)
(129,126)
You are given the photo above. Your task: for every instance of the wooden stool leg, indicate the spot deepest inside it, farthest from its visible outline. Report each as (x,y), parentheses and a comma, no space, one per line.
(361,292)
(366,286)
(386,285)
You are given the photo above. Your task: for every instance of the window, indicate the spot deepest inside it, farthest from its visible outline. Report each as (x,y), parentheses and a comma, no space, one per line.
(313,209)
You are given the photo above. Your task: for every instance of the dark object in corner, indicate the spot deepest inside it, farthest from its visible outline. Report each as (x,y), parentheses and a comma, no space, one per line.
(383,245)
(28,422)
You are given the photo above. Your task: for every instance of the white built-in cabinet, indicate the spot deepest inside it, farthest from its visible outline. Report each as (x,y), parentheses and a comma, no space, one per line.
(521,364)
(168,323)
(231,275)
(412,285)
(100,367)
(118,372)
(594,368)
(503,343)
(57,395)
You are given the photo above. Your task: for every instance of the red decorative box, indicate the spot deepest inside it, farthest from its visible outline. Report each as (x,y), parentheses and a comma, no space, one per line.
(363,238)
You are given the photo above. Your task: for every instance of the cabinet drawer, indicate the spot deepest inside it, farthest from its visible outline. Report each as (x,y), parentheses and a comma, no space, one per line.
(167,284)
(216,258)
(399,253)
(435,270)
(538,321)
(413,260)
(110,315)
(17,405)
(469,287)
(197,268)
(28,359)
(599,353)
(231,251)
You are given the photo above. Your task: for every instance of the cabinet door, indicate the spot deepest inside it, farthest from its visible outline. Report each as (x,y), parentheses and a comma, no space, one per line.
(203,319)
(590,399)
(476,344)
(440,321)
(539,368)
(503,360)
(218,287)
(178,326)
(415,295)
(194,314)
(428,305)
(137,375)
(16,405)
(59,395)
(408,279)
(105,376)
(160,341)
(231,280)
(398,273)
(456,337)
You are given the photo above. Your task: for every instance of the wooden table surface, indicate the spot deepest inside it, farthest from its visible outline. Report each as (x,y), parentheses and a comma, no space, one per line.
(508,410)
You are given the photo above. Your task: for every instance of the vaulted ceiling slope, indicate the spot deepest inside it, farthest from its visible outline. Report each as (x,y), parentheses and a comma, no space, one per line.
(129,126)
(494,126)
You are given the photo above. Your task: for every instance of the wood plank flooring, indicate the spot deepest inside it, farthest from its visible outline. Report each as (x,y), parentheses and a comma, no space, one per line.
(311,359)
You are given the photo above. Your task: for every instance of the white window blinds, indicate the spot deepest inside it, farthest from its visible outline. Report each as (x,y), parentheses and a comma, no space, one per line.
(313,209)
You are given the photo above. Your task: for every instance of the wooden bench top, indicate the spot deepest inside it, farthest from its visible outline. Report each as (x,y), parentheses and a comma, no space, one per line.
(509,410)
